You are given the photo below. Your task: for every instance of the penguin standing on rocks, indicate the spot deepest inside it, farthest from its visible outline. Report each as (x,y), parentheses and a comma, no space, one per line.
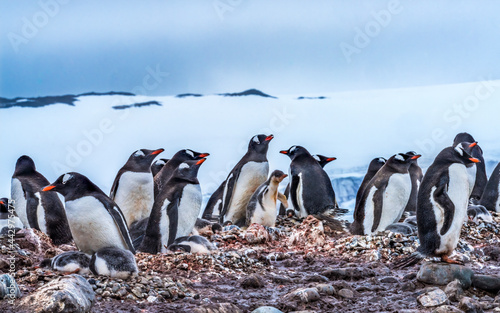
(214,204)
(442,204)
(491,195)
(416,176)
(322,160)
(385,197)
(69,262)
(42,211)
(262,206)
(373,168)
(167,170)
(114,262)
(477,171)
(192,244)
(95,220)
(158,165)
(132,189)
(311,190)
(247,175)
(175,210)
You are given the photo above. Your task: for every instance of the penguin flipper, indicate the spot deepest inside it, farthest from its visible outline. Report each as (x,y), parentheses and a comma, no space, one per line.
(173,217)
(228,191)
(377,208)
(119,219)
(441,197)
(283,200)
(293,191)
(214,203)
(114,188)
(31,209)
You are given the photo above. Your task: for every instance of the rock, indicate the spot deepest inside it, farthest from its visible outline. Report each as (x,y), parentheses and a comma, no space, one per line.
(252,281)
(325,289)
(487,283)
(493,252)
(256,233)
(447,309)
(304,295)
(469,305)
(348,273)
(389,280)
(346,293)
(433,297)
(71,293)
(218,308)
(266,309)
(281,279)
(9,288)
(454,290)
(443,273)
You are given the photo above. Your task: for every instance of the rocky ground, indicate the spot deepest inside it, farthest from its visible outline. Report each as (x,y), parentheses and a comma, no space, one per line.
(305,266)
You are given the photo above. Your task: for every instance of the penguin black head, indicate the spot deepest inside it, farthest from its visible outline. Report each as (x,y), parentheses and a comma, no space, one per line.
(70,184)
(24,165)
(461,137)
(413,154)
(140,160)
(188,154)
(463,151)
(296,151)
(4,205)
(188,170)
(158,165)
(277,176)
(402,161)
(180,248)
(260,143)
(323,160)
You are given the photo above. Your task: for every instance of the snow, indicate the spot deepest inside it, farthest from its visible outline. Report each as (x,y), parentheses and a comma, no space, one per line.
(96,140)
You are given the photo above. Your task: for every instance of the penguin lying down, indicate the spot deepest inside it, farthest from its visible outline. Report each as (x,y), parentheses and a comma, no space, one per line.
(477,212)
(113,262)
(192,244)
(407,228)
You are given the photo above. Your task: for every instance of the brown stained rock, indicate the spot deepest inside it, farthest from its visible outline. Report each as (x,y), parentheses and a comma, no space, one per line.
(252,281)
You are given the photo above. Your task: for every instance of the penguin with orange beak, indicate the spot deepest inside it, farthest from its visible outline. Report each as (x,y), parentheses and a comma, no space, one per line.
(442,203)
(175,209)
(132,189)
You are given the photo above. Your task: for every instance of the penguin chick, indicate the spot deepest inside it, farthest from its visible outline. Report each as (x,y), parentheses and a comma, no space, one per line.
(192,244)
(114,262)
(69,262)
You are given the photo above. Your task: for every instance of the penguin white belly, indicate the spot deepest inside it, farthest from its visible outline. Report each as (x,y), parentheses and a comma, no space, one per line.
(17,195)
(265,216)
(92,226)
(497,203)
(300,198)
(189,209)
(40,214)
(252,175)
(369,212)
(164,226)
(471,171)
(135,195)
(396,196)
(196,247)
(458,189)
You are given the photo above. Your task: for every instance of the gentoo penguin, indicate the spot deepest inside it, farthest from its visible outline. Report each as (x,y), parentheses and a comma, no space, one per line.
(322,160)
(203,226)
(69,262)
(246,176)
(442,204)
(477,170)
(311,190)
(214,204)
(42,211)
(175,210)
(192,244)
(113,262)
(373,168)
(132,189)
(477,212)
(491,195)
(416,176)
(157,166)
(8,218)
(406,229)
(385,196)
(95,220)
(262,206)
(166,171)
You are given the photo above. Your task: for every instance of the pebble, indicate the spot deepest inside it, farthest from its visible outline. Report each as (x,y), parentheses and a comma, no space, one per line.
(487,283)
(443,273)
(454,290)
(307,294)
(447,309)
(389,280)
(469,305)
(266,309)
(432,298)
(325,289)
(346,293)
(252,281)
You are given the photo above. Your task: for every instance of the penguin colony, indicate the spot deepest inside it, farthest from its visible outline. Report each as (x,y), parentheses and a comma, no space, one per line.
(154,206)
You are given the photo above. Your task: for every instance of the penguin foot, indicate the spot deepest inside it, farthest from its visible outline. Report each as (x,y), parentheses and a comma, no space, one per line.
(72,272)
(446,259)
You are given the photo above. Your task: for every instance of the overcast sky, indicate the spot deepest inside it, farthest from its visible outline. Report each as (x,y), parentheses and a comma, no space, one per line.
(211,46)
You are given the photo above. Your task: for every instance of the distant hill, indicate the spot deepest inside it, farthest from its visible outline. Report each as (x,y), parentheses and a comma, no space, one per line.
(184,95)
(312,98)
(249,92)
(136,105)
